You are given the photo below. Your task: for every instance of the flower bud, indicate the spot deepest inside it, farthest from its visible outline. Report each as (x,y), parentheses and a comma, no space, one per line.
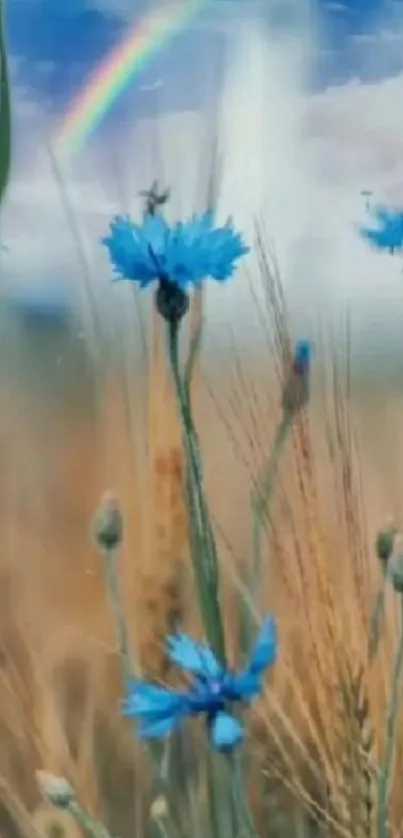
(159,808)
(296,390)
(55,789)
(108,523)
(385,542)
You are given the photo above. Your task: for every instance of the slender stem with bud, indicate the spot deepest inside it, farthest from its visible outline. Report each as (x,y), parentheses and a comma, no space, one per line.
(390,739)
(264,494)
(377,620)
(384,547)
(295,396)
(59,793)
(108,532)
(116,600)
(94,828)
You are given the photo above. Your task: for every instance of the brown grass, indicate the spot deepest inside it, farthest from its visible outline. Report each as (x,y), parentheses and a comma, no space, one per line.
(318,730)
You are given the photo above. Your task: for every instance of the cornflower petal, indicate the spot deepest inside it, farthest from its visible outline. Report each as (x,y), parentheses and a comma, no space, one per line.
(193,657)
(184,254)
(389,234)
(246,686)
(148,700)
(226,732)
(264,654)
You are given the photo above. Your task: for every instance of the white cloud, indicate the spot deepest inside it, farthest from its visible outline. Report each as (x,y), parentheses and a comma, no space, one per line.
(301,160)
(341,8)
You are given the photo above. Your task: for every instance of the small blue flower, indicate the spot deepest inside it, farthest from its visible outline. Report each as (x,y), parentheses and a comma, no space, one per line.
(213,691)
(389,232)
(183,254)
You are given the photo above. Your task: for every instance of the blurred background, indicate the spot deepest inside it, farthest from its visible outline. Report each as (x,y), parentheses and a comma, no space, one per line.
(286,112)
(300,98)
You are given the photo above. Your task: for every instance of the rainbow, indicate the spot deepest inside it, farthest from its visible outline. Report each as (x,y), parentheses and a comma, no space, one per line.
(114,75)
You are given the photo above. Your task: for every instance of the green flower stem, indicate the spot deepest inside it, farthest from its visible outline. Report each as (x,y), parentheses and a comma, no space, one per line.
(88,824)
(264,494)
(377,619)
(260,512)
(156,750)
(204,551)
(116,600)
(192,358)
(214,807)
(390,737)
(244,818)
(221,813)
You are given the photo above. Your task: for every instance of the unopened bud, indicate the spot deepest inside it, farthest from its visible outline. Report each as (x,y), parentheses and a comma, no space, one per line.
(108,523)
(296,390)
(55,789)
(396,565)
(385,542)
(159,808)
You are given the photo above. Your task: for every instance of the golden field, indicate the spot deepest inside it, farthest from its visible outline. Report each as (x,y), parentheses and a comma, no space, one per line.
(64,441)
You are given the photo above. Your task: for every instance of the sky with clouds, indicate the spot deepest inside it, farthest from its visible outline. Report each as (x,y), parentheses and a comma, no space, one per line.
(304,99)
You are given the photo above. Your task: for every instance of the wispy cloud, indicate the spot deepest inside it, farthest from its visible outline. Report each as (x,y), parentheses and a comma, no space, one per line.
(300,160)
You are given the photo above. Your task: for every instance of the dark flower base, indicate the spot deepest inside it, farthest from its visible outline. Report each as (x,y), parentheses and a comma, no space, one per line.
(172,303)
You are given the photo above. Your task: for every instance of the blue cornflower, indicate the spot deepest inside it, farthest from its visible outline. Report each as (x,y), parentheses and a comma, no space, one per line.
(213,691)
(183,254)
(389,233)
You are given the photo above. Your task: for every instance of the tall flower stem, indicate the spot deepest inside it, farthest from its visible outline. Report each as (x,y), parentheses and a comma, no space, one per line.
(87,823)
(156,750)
(203,546)
(240,803)
(390,737)
(263,497)
(377,619)
(115,596)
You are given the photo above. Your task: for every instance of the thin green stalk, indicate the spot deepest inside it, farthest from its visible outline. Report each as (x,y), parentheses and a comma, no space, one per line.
(204,552)
(264,494)
(377,619)
(221,821)
(390,737)
(261,502)
(116,601)
(244,816)
(156,750)
(194,350)
(195,451)
(161,828)
(88,824)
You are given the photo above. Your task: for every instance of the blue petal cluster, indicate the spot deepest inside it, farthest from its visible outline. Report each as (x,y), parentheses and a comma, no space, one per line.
(389,232)
(213,691)
(184,254)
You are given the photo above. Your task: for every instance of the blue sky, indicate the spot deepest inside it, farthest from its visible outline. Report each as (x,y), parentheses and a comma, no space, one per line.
(310,118)
(56,44)
(59,41)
